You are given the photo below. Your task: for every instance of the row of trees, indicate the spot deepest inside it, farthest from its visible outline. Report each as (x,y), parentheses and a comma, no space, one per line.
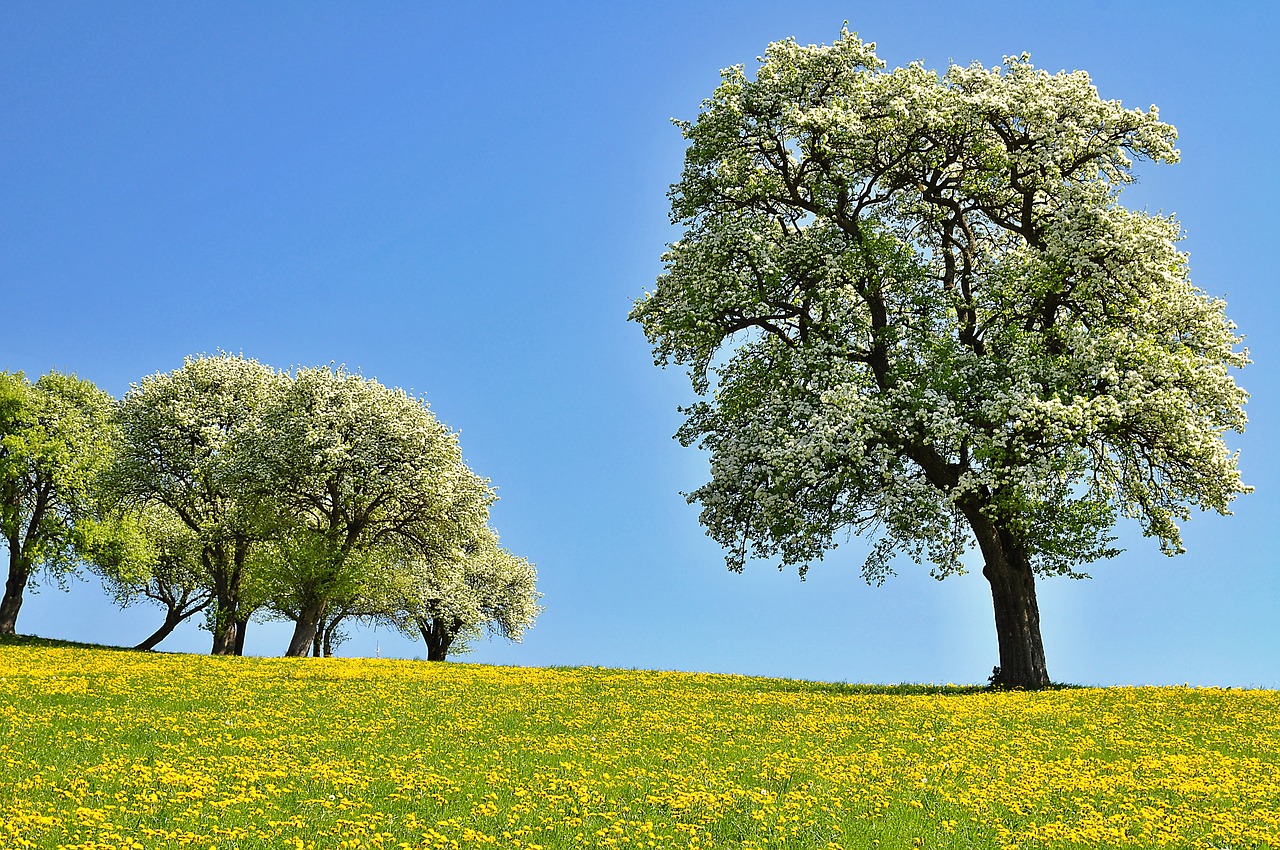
(235,490)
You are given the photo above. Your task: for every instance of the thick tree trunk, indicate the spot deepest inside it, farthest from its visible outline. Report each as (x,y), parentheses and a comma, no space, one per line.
(1022,664)
(172,618)
(437,638)
(1013,592)
(14,587)
(304,629)
(224,631)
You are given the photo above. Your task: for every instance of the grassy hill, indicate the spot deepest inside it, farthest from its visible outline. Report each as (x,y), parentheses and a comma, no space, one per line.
(130,750)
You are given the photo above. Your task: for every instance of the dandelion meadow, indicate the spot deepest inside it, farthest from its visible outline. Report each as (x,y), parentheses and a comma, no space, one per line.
(111,749)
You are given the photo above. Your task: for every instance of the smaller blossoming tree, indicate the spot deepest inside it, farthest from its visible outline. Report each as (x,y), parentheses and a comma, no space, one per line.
(451,599)
(356,468)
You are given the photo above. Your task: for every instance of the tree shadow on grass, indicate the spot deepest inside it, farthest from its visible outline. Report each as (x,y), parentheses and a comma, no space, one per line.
(33,640)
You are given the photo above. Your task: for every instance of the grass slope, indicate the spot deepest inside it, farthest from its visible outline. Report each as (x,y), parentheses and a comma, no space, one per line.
(116,749)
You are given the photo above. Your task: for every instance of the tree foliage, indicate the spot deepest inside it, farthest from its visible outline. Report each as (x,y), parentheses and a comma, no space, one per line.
(917,310)
(234,488)
(153,557)
(55,437)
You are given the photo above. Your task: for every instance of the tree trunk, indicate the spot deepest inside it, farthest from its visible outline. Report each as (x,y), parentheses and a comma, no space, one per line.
(177,608)
(321,644)
(224,631)
(1022,664)
(226,596)
(437,638)
(242,626)
(328,629)
(19,573)
(172,618)
(1013,592)
(304,628)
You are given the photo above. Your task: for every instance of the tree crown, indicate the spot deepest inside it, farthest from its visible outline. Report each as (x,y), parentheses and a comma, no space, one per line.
(911,298)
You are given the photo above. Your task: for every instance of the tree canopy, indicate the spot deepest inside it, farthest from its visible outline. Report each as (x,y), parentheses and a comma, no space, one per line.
(917,309)
(356,467)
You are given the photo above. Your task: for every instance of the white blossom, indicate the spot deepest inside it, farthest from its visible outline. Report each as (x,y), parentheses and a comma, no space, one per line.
(912,301)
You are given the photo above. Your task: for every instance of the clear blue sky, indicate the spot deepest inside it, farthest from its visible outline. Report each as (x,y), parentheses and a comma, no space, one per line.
(465,199)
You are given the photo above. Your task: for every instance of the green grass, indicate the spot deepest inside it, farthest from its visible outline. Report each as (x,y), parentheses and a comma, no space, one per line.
(120,749)
(32,640)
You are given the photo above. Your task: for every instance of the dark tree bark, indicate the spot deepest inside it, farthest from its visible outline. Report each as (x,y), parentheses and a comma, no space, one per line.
(329,628)
(19,574)
(171,620)
(179,605)
(305,628)
(19,558)
(224,633)
(1013,592)
(226,592)
(322,643)
(242,626)
(438,639)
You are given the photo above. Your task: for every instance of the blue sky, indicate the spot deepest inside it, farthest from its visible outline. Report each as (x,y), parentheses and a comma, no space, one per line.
(464,200)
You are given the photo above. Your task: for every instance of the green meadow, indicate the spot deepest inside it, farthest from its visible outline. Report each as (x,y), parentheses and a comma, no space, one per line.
(117,749)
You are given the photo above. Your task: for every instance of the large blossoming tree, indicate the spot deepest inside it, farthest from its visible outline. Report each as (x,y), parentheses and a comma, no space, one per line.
(917,309)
